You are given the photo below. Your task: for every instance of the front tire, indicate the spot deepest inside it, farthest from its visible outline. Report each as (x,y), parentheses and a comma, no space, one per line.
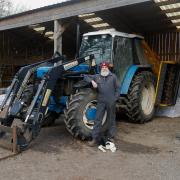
(80,114)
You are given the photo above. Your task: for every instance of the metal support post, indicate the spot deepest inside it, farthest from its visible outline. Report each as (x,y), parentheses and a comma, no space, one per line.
(58,30)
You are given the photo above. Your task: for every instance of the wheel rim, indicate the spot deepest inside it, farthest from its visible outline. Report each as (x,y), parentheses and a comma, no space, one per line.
(91,108)
(148,98)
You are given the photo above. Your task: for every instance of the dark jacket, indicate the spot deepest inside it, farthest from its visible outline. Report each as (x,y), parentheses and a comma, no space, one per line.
(108,89)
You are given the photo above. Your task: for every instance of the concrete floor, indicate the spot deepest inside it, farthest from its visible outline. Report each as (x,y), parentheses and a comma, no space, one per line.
(145,152)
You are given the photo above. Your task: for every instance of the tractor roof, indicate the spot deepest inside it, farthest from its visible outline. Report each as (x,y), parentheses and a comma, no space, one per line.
(113,33)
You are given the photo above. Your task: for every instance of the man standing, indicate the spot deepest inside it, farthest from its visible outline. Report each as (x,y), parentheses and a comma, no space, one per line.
(107,87)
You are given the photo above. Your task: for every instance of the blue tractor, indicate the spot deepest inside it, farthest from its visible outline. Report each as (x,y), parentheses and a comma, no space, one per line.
(40,92)
(135,77)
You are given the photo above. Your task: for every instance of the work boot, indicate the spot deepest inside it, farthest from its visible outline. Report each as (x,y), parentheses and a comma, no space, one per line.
(110,140)
(92,143)
(110,145)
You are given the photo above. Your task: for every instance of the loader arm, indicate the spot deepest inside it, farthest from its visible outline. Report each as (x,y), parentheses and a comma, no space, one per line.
(20,79)
(48,84)
(12,113)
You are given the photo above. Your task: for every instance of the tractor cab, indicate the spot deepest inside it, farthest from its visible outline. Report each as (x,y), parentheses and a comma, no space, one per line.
(120,49)
(100,45)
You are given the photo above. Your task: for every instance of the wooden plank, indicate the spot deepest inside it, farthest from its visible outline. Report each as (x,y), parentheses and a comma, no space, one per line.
(8,156)
(5,154)
(166,45)
(6,129)
(10,142)
(162,47)
(169,40)
(179,48)
(14,135)
(5,144)
(175,51)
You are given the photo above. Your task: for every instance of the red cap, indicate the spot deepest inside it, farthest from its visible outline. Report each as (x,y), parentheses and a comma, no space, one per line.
(104,64)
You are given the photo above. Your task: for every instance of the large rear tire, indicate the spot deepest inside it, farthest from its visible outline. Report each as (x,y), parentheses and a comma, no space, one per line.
(141,98)
(80,114)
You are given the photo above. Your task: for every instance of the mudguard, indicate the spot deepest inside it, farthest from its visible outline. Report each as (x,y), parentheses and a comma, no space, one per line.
(124,87)
(81,85)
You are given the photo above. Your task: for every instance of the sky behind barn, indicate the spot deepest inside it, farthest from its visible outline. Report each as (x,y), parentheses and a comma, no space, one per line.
(33,4)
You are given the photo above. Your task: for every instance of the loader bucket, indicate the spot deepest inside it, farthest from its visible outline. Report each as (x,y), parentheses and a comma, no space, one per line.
(8,138)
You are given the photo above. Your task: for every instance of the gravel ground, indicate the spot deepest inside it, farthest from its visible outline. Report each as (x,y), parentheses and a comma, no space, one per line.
(145,152)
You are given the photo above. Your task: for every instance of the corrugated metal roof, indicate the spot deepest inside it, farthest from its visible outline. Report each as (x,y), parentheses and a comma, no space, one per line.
(65,10)
(172,10)
(123,15)
(65,3)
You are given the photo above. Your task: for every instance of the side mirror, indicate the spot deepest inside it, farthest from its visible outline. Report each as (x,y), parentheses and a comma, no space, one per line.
(93,63)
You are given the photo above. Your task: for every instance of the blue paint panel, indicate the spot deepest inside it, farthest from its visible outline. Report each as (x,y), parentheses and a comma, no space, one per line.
(127,80)
(91,114)
(80,68)
(63,100)
(41,71)
(129,76)
(58,108)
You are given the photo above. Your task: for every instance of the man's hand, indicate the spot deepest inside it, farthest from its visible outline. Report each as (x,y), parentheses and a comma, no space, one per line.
(94,84)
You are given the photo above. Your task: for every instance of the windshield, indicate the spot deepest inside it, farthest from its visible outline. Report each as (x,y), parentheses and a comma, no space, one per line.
(99,45)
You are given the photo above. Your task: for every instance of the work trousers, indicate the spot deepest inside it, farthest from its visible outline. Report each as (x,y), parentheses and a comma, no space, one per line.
(98,134)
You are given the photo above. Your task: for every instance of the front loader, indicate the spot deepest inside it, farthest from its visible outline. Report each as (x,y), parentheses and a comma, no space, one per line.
(26,103)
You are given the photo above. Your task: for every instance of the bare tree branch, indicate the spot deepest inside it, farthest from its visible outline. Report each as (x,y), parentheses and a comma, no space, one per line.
(5,6)
(8,8)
